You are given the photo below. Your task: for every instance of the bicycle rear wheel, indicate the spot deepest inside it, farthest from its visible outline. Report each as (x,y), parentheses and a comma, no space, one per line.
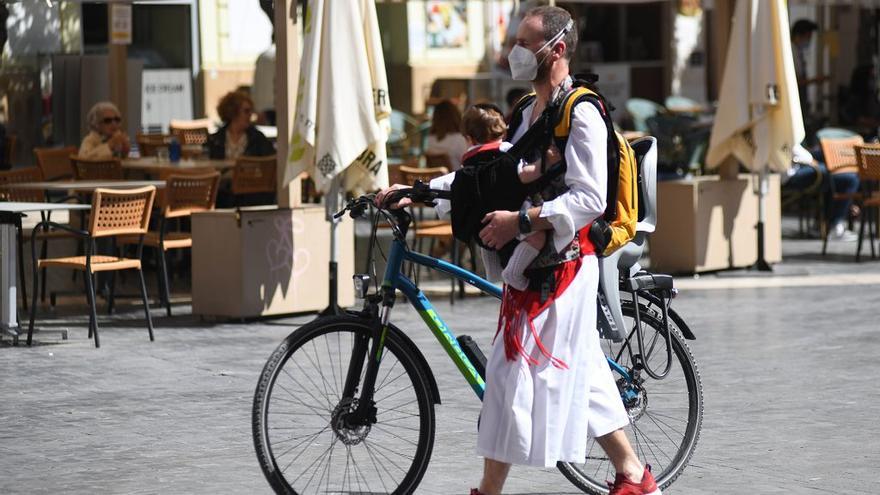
(665,415)
(301,439)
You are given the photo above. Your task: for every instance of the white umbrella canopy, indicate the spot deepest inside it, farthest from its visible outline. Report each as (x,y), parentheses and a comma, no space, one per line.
(342,109)
(759,115)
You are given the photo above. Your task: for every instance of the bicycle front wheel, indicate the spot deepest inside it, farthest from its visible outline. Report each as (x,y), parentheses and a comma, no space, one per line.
(302,441)
(665,415)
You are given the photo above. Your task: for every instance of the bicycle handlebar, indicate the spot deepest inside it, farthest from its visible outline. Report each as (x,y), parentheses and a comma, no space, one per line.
(418,193)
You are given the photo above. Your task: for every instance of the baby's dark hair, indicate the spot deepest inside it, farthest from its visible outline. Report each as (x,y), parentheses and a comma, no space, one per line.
(484,123)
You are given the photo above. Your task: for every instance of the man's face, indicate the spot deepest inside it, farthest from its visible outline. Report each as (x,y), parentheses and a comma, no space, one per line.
(530,35)
(803,40)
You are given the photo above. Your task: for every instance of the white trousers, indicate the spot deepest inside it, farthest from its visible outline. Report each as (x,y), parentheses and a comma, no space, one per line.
(538,415)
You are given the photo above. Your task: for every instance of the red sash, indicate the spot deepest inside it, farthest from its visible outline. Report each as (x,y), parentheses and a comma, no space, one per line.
(516,304)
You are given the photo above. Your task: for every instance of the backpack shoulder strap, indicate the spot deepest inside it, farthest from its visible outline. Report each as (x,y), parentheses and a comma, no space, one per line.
(516,115)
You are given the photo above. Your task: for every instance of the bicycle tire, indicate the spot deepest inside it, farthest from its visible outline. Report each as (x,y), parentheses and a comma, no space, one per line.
(313,361)
(592,475)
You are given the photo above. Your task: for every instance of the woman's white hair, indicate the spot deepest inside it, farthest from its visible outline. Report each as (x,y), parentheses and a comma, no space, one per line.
(94,115)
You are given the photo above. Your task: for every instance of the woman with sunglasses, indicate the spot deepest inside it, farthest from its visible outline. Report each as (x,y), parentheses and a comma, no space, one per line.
(105,138)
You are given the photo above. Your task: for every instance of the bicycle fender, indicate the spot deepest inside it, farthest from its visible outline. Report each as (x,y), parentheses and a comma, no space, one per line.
(414,351)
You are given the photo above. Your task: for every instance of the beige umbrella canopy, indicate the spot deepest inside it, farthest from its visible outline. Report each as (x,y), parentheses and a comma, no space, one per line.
(759,115)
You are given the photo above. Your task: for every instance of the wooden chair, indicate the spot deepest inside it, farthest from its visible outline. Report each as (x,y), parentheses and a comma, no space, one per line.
(433,160)
(149,144)
(188,134)
(433,230)
(89,169)
(868,159)
(184,195)
(114,213)
(55,162)
(840,157)
(254,175)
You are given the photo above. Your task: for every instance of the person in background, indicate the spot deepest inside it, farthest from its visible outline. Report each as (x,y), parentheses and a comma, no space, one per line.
(444,136)
(806,171)
(238,136)
(861,110)
(801,37)
(511,98)
(105,138)
(263,89)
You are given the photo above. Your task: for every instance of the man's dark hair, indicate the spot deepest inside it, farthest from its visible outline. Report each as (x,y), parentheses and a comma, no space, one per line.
(554,20)
(803,26)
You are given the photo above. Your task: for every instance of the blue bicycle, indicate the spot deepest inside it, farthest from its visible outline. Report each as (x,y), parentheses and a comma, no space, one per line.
(345,404)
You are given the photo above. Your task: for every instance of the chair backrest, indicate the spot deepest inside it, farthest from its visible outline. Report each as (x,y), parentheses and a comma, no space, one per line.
(834,133)
(149,144)
(681,103)
(88,169)
(640,109)
(17,176)
(187,193)
(254,174)
(438,160)
(646,159)
(868,159)
(411,174)
(839,153)
(190,133)
(55,162)
(121,211)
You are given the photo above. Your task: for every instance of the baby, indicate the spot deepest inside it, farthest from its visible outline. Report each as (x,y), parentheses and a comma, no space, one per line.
(484,129)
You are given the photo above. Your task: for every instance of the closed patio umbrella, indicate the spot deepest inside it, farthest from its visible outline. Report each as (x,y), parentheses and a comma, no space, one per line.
(342,114)
(759,119)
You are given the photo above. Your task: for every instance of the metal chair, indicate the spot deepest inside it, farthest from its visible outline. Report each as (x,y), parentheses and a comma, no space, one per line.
(640,110)
(29,174)
(840,157)
(90,169)
(184,194)
(868,159)
(55,163)
(114,213)
(195,133)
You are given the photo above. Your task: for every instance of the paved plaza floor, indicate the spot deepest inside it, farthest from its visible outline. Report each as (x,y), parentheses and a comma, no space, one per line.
(788,363)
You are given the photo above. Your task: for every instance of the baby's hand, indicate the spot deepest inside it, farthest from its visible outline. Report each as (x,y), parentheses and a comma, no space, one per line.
(529,173)
(536,239)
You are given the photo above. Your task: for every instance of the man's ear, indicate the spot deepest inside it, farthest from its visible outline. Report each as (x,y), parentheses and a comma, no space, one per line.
(559,49)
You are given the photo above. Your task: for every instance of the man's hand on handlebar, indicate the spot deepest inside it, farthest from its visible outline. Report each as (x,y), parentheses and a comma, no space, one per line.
(383,194)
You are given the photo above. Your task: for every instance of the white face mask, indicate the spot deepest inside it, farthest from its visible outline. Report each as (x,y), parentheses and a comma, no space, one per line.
(523,62)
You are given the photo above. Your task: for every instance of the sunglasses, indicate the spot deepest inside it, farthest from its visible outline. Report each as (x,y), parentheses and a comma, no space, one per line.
(110,120)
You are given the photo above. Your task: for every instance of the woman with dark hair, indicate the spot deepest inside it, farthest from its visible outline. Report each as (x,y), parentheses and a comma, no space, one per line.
(444,136)
(238,136)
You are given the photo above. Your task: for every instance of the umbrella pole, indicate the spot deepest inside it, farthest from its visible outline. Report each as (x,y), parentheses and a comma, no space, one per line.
(331,204)
(761,264)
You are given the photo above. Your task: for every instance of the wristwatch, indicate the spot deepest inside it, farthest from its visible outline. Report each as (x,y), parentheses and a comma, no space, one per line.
(525,223)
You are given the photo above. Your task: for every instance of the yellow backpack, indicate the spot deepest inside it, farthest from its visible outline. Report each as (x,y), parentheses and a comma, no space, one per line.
(617,225)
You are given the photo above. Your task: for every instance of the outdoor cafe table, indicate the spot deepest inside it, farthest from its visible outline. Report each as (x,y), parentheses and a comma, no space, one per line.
(10,215)
(85,185)
(154,166)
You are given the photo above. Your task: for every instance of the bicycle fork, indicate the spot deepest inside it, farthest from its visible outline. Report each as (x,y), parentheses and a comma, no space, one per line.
(367,349)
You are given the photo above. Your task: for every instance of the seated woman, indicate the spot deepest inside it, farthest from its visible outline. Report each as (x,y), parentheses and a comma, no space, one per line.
(444,136)
(105,138)
(238,136)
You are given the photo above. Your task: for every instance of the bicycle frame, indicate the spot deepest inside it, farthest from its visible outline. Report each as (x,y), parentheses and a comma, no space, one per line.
(394,279)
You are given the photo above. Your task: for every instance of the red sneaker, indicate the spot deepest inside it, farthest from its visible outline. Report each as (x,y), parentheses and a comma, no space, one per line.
(624,486)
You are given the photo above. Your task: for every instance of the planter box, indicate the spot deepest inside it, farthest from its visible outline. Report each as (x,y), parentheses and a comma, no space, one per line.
(264,261)
(707,223)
